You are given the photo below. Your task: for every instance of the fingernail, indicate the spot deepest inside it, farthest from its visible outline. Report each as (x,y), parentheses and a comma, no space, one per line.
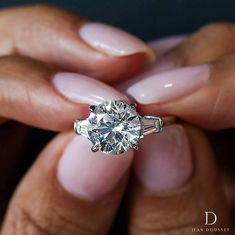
(170,85)
(88,175)
(113,41)
(83,89)
(162,65)
(164,161)
(163,45)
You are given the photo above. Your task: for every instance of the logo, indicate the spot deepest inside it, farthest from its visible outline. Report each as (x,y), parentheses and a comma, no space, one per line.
(210,220)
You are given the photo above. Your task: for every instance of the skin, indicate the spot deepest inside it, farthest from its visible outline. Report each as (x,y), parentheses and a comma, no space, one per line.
(40,205)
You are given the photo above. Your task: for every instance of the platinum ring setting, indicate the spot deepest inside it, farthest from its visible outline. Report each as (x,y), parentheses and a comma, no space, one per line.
(115,127)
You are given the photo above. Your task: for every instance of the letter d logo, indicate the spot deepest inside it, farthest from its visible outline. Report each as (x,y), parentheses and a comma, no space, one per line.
(211,218)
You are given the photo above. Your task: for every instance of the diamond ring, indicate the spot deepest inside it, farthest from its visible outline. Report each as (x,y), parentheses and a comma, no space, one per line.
(115,127)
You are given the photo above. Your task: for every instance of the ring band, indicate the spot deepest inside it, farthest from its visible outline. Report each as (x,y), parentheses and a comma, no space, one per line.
(115,127)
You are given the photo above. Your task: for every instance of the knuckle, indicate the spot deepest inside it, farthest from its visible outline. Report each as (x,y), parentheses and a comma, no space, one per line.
(215,111)
(161,219)
(48,221)
(184,230)
(44,7)
(60,223)
(219,28)
(220,112)
(152,226)
(209,43)
(50,13)
(220,95)
(19,221)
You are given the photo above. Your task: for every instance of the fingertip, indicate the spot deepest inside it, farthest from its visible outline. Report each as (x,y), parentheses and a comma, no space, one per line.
(83,89)
(114,41)
(164,162)
(90,176)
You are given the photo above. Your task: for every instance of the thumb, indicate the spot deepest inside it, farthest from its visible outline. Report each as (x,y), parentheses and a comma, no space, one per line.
(175,183)
(68,191)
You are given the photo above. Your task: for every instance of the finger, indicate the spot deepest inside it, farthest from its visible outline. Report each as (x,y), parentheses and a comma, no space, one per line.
(69,190)
(176,181)
(210,42)
(63,39)
(202,94)
(33,94)
(163,45)
(160,47)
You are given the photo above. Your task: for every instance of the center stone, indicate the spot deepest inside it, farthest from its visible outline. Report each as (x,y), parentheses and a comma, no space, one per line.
(114,127)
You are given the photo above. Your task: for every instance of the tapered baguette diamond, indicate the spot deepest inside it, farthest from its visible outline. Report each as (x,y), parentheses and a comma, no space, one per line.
(113,127)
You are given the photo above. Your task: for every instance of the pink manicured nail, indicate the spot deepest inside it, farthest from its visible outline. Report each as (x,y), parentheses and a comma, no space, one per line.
(164,161)
(163,45)
(83,89)
(113,41)
(163,64)
(170,85)
(89,175)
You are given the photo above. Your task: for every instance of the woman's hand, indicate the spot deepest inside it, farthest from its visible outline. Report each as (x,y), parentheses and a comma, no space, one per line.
(33,36)
(36,43)
(194,81)
(203,93)
(69,189)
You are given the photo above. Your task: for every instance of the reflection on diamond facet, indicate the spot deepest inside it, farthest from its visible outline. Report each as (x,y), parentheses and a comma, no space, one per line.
(113,126)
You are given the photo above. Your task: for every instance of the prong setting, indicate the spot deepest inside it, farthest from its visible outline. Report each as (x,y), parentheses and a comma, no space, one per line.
(92,108)
(135,147)
(134,106)
(95,148)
